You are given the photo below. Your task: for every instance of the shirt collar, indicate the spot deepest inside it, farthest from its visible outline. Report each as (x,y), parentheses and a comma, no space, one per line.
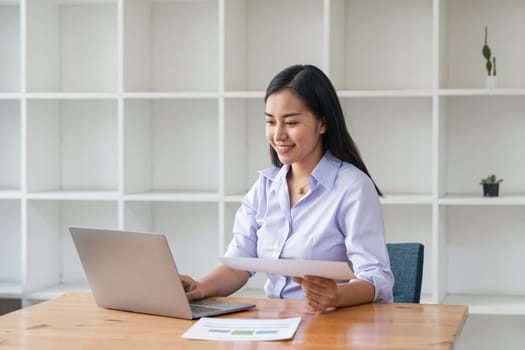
(324,172)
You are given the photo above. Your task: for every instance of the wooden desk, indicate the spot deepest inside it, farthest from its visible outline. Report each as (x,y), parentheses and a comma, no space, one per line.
(73,321)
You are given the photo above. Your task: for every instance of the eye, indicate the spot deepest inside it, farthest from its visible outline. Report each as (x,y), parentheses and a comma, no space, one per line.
(292,123)
(270,122)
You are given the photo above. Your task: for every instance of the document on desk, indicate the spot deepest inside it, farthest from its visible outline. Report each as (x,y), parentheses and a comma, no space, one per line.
(337,270)
(241,329)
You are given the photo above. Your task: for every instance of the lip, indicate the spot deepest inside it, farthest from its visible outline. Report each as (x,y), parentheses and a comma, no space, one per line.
(281,149)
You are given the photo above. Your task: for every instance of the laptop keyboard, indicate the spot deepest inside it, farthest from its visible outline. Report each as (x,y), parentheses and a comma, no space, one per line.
(199,309)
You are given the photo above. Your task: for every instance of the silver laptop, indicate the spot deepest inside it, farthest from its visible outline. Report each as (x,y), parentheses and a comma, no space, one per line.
(135,271)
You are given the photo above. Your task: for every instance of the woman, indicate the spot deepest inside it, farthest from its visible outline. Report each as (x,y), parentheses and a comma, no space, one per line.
(318,202)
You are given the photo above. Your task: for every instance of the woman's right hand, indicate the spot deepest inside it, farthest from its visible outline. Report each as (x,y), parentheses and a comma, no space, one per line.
(194,289)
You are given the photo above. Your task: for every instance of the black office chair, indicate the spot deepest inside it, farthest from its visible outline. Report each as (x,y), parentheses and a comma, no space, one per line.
(406,261)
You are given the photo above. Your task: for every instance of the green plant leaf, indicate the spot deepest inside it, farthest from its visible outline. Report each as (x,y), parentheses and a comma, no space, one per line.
(486,52)
(489,67)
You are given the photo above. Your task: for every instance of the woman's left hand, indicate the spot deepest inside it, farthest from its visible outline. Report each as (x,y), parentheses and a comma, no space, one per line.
(319,293)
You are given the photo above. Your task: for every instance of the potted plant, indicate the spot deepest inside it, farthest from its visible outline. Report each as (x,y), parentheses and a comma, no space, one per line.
(490,64)
(490,186)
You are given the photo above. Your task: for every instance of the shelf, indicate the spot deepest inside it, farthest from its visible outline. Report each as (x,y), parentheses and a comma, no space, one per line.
(7,194)
(72,145)
(74,195)
(171,145)
(489,304)
(472,199)
(173,197)
(9,46)
(10,145)
(172,95)
(54,291)
(72,95)
(66,52)
(408,93)
(10,290)
(236,199)
(10,96)
(397,199)
(482,92)
(245,94)
(171,46)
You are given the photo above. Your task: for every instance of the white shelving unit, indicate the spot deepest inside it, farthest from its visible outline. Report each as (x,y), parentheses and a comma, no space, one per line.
(147,115)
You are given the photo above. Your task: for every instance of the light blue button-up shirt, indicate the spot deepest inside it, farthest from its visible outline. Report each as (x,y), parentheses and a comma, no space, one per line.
(339,219)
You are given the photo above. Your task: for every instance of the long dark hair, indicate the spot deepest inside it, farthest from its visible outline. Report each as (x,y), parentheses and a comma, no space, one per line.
(319,95)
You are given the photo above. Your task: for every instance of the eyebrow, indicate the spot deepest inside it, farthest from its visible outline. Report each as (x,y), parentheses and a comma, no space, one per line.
(291,114)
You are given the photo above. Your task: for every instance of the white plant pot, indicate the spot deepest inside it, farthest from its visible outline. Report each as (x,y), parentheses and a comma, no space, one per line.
(490,82)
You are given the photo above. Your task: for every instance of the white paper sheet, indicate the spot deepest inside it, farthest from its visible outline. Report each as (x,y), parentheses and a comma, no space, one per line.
(239,329)
(291,267)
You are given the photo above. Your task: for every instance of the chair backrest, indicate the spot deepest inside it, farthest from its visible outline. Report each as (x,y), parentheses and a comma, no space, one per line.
(406,261)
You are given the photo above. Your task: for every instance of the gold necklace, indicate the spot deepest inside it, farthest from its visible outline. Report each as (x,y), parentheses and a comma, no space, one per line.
(303,189)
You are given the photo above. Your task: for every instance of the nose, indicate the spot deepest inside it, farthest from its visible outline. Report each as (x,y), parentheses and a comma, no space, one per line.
(279,133)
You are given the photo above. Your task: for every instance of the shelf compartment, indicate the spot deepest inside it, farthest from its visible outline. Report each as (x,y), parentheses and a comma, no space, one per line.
(170,146)
(66,52)
(485,241)
(254,32)
(52,259)
(171,46)
(492,144)
(10,248)
(463,32)
(409,121)
(72,145)
(190,228)
(246,147)
(9,46)
(10,142)
(381,44)
(412,223)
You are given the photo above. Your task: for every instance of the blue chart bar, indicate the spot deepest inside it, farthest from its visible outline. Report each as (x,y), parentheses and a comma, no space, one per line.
(267,331)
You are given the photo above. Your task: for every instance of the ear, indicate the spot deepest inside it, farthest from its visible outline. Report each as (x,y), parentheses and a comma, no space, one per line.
(322,128)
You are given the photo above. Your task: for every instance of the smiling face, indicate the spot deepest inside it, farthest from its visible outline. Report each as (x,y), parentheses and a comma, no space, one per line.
(292,130)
